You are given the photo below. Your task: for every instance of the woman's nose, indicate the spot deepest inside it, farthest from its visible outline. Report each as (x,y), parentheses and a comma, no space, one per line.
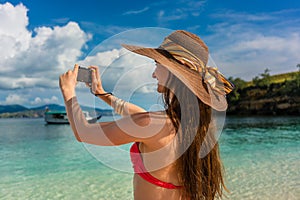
(153,75)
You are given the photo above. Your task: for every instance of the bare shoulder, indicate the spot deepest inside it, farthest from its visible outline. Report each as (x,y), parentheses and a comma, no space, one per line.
(153,126)
(146,119)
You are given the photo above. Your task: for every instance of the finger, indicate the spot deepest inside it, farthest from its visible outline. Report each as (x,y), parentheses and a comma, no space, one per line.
(97,71)
(94,81)
(68,72)
(94,68)
(75,70)
(94,77)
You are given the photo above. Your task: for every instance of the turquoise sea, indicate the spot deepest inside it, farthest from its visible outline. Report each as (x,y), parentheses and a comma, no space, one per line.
(37,161)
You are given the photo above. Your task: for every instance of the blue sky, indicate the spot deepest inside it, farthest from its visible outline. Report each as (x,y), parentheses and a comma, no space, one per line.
(41,39)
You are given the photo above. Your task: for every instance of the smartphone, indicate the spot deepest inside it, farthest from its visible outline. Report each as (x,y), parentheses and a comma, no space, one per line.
(84,75)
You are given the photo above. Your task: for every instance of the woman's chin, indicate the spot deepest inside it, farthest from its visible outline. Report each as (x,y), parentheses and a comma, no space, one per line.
(160,88)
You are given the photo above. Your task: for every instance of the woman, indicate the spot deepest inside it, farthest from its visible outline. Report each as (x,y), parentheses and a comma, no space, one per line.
(166,153)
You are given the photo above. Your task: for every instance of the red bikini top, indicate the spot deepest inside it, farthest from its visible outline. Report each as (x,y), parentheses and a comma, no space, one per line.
(139,168)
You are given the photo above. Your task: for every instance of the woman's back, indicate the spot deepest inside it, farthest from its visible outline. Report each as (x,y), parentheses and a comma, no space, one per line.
(159,175)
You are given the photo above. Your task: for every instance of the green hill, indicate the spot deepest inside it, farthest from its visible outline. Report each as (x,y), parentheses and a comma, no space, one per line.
(12,108)
(278,78)
(266,95)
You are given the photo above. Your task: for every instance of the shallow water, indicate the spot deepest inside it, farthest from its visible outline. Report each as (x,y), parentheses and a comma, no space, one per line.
(262,157)
(38,161)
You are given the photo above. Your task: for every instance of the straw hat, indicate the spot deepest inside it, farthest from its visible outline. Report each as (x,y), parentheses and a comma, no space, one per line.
(185,55)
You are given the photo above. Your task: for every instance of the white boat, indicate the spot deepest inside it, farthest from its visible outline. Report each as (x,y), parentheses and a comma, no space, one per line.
(60,117)
(56,117)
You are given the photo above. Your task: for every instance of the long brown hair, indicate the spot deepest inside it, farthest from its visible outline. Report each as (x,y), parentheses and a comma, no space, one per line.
(202,178)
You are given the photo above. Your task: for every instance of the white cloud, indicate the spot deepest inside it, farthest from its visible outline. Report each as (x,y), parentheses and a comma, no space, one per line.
(15,99)
(36,61)
(27,81)
(103,59)
(180,10)
(244,48)
(29,60)
(134,12)
(231,15)
(36,101)
(42,101)
(123,71)
(177,14)
(25,99)
(14,37)
(273,43)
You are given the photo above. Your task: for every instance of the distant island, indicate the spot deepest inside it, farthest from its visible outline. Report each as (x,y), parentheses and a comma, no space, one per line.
(266,95)
(18,111)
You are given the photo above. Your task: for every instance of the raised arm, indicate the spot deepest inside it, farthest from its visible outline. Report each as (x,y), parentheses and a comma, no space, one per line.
(142,127)
(104,134)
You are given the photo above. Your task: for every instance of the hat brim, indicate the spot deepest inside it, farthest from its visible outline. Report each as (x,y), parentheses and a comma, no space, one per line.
(191,78)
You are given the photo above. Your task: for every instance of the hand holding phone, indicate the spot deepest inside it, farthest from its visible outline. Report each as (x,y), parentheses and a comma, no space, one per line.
(84,75)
